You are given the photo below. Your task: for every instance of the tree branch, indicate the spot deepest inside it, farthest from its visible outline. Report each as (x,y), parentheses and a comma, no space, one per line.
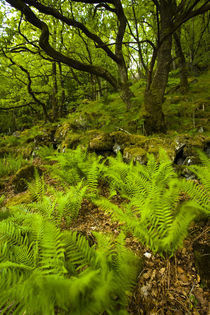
(30,91)
(71,22)
(19,106)
(50,51)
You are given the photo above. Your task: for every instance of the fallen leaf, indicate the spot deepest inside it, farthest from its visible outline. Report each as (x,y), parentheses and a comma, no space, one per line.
(180,270)
(183,277)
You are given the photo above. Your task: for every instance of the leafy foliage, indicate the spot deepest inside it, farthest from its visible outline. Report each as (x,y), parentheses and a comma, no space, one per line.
(76,165)
(153,210)
(43,270)
(11,164)
(200,192)
(54,204)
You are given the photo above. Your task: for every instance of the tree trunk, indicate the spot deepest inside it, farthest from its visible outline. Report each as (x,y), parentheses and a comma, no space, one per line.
(63,94)
(154,95)
(155,90)
(54,99)
(184,85)
(125,91)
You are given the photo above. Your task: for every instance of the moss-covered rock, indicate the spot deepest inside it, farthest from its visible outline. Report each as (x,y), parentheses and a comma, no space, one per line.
(62,131)
(103,142)
(24,175)
(191,145)
(121,138)
(27,150)
(135,153)
(71,141)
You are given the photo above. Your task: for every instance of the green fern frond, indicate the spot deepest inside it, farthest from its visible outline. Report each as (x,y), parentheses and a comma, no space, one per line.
(60,272)
(52,251)
(153,211)
(37,188)
(198,193)
(78,252)
(202,171)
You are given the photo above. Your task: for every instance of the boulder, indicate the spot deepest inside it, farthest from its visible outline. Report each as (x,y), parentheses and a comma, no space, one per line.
(101,143)
(135,153)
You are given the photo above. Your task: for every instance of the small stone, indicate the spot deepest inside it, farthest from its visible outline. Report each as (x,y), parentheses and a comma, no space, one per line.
(144,290)
(93,228)
(148,255)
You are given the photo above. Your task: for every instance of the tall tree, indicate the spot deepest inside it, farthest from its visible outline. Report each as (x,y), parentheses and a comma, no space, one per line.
(171,14)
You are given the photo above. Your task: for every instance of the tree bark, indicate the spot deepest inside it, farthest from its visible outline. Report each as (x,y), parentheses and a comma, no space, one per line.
(126,93)
(155,90)
(184,85)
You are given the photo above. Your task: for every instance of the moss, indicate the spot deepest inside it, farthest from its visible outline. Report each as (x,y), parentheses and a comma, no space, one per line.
(94,133)
(62,130)
(138,140)
(72,140)
(23,197)
(27,150)
(24,175)
(125,139)
(102,142)
(136,154)
(121,137)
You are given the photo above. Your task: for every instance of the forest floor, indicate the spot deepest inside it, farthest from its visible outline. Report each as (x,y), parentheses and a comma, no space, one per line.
(172,285)
(164,285)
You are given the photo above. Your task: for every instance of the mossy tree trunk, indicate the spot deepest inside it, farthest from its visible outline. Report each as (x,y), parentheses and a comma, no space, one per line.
(154,95)
(124,87)
(156,85)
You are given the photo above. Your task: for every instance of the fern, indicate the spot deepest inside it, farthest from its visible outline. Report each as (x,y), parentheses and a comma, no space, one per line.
(46,152)
(75,165)
(2,198)
(37,188)
(10,164)
(45,271)
(199,192)
(154,213)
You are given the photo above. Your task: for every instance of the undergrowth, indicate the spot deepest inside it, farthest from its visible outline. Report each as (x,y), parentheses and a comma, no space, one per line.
(45,270)
(10,164)
(154,210)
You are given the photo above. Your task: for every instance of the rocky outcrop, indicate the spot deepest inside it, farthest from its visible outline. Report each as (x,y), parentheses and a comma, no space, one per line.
(182,149)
